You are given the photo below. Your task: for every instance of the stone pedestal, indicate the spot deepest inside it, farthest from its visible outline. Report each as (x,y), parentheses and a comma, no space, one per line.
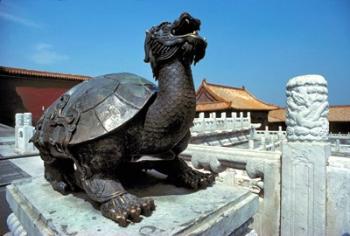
(218,210)
(304,188)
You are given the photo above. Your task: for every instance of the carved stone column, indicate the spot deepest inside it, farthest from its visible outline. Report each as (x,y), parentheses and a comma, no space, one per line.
(24,132)
(304,157)
(19,123)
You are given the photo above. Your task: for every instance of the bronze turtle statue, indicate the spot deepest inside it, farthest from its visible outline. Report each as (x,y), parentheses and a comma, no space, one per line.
(101,129)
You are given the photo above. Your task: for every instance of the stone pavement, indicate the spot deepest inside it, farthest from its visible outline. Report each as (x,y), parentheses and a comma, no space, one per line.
(32,165)
(7,141)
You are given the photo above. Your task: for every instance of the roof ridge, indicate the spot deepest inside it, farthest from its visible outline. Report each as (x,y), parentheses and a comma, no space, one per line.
(334,106)
(214,91)
(269,104)
(203,103)
(224,86)
(211,92)
(330,106)
(339,113)
(37,73)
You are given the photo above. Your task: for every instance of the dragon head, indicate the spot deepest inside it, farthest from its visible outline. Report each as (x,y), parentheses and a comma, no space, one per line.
(178,39)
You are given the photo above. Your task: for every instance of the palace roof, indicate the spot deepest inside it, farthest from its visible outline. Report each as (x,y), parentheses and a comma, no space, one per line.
(213,97)
(336,114)
(19,72)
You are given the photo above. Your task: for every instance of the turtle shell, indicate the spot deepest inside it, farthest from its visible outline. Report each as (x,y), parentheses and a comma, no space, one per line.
(96,107)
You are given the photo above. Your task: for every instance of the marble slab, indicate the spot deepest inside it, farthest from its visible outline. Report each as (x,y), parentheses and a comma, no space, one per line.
(217,210)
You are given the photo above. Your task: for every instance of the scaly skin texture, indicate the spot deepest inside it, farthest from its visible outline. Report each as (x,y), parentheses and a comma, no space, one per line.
(170,116)
(161,128)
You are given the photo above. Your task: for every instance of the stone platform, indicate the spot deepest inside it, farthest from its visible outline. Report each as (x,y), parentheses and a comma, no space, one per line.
(218,210)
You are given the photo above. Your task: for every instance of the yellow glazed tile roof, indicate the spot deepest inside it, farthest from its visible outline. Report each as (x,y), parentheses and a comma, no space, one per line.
(239,98)
(336,114)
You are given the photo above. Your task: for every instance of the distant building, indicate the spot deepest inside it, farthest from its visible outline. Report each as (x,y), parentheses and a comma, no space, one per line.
(220,98)
(32,91)
(339,119)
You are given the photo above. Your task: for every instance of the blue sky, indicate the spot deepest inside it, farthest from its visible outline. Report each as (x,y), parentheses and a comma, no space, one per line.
(258,44)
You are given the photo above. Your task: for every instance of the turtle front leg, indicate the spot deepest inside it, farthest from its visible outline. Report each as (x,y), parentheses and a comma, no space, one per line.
(60,174)
(180,174)
(116,203)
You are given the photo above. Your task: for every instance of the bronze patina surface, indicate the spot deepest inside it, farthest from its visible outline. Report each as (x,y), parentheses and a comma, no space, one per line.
(94,135)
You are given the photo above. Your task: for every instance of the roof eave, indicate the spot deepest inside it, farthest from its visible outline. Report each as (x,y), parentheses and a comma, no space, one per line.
(20,73)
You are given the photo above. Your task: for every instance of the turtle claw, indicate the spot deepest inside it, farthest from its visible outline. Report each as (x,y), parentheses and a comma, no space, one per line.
(193,179)
(148,207)
(127,208)
(60,185)
(135,213)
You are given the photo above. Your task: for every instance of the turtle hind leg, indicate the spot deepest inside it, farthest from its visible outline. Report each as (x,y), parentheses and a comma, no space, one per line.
(61,175)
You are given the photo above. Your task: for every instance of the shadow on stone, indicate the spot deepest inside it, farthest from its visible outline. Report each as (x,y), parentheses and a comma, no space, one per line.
(143,184)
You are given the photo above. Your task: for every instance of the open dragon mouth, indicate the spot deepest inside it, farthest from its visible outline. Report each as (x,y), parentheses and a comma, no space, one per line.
(186,25)
(179,39)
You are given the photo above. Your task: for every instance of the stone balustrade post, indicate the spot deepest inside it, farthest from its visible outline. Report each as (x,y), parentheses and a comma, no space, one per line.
(234,119)
(273,147)
(266,133)
(24,134)
(263,142)
(211,122)
(19,123)
(251,144)
(202,122)
(249,118)
(280,133)
(337,145)
(251,138)
(253,132)
(27,119)
(304,157)
(214,125)
(223,118)
(241,119)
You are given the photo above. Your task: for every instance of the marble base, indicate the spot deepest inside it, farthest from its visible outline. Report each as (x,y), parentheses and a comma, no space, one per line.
(218,210)
(304,188)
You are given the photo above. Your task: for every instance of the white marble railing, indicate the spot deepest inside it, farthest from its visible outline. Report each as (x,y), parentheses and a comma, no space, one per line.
(269,140)
(341,148)
(338,192)
(340,143)
(339,135)
(270,144)
(303,189)
(259,171)
(215,124)
(267,132)
(23,133)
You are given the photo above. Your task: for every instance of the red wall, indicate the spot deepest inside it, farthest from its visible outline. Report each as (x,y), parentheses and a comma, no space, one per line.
(35,98)
(29,95)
